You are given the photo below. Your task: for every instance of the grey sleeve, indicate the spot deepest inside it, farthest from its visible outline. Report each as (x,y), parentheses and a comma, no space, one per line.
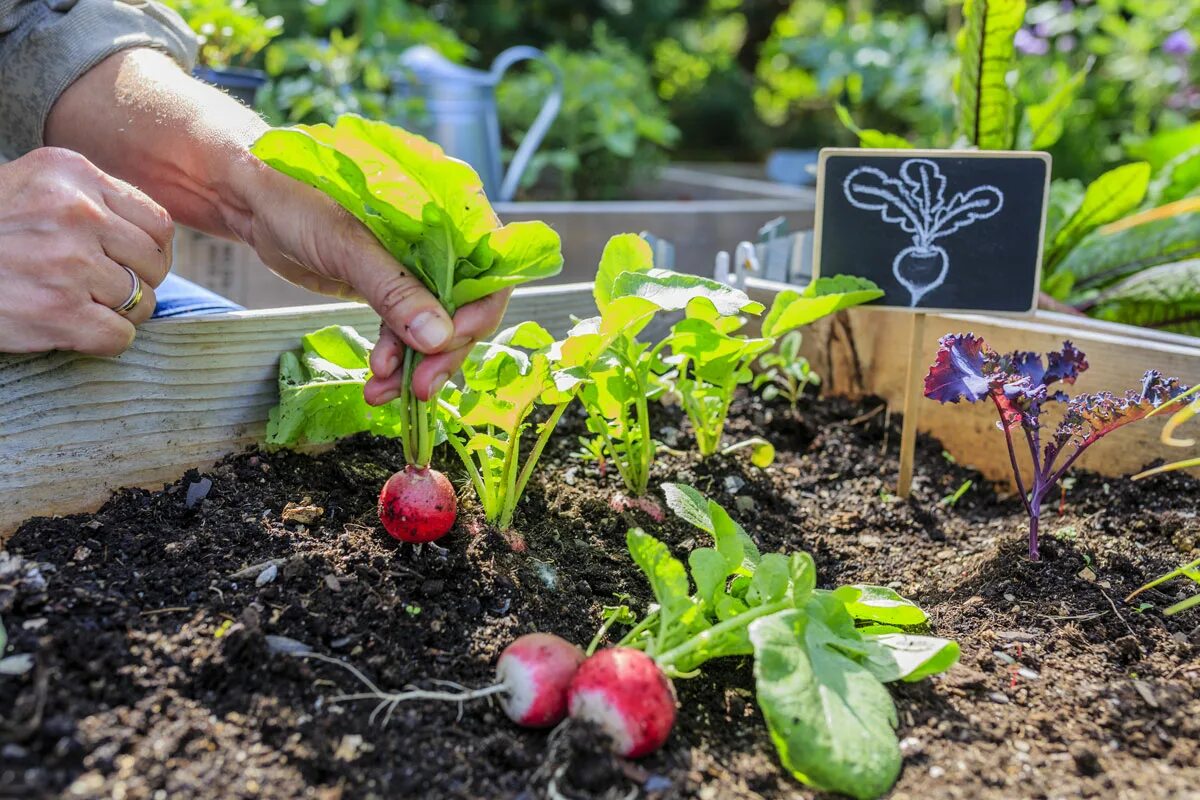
(45,45)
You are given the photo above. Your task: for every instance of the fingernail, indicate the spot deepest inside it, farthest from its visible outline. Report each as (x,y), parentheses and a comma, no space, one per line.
(393,364)
(430,330)
(387,397)
(438,382)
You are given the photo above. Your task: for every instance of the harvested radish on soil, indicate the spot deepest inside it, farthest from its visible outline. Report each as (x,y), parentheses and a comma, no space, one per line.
(536,670)
(628,697)
(532,677)
(418,505)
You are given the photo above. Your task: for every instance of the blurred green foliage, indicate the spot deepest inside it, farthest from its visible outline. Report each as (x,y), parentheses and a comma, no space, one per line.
(231,32)
(739,77)
(612,127)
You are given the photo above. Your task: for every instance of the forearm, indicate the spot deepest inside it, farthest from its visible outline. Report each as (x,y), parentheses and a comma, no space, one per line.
(141,118)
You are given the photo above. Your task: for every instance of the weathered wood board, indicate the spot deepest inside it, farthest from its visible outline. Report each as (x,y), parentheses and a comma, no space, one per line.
(189,391)
(865,351)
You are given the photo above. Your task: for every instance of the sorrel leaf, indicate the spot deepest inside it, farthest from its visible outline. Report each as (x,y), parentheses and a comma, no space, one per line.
(985,47)
(1166,297)
(1104,258)
(830,718)
(1110,197)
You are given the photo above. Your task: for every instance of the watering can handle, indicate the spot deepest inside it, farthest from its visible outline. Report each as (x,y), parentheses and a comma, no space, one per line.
(541,123)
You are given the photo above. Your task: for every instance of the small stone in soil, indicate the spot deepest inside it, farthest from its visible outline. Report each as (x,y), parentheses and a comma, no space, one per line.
(197,491)
(333,583)
(998,697)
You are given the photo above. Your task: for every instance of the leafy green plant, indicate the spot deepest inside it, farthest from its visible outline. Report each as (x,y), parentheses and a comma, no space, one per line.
(429,212)
(711,360)
(1190,571)
(821,656)
(504,382)
(622,374)
(231,32)
(784,372)
(612,128)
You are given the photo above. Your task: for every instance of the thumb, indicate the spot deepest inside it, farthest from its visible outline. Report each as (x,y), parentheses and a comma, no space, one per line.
(400,298)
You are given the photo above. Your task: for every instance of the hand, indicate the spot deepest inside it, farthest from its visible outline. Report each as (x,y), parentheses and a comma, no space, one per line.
(66,228)
(311,241)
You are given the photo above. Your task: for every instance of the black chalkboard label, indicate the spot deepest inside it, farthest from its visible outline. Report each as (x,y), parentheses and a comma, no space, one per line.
(937,230)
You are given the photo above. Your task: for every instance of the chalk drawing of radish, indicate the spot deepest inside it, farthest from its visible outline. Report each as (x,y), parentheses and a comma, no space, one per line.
(916,202)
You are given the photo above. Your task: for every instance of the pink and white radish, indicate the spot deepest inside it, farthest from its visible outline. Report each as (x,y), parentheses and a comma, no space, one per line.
(418,505)
(536,671)
(532,676)
(624,693)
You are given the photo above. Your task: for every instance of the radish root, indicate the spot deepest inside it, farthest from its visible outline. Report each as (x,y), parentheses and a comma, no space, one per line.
(389,701)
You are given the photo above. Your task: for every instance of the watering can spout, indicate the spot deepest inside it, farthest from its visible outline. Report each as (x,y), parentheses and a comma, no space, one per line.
(460,111)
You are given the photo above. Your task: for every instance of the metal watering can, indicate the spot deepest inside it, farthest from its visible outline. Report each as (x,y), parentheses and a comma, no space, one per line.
(460,111)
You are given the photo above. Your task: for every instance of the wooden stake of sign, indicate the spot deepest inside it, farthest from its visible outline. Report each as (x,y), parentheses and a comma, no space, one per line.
(912,404)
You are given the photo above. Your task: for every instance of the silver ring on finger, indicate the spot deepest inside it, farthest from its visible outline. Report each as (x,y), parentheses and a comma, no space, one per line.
(135,294)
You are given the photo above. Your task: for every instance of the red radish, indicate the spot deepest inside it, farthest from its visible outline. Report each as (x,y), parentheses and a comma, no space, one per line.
(536,670)
(532,676)
(417,505)
(624,692)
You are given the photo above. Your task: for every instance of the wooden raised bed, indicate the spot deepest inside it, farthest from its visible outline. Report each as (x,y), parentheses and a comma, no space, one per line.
(74,428)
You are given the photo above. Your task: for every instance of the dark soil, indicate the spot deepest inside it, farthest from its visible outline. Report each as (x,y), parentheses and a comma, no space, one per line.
(153,677)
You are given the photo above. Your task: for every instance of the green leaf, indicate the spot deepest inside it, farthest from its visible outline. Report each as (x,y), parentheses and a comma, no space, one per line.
(1043,124)
(1104,258)
(428,210)
(1178,178)
(321,391)
(830,718)
(673,291)
(626,252)
(1065,198)
(1166,297)
(985,48)
(900,656)
(1110,197)
(709,570)
(771,580)
(739,550)
(1161,148)
(879,604)
(762,452)
(669,582)
(870,138)
(822,297)
(688,504)
(521,252)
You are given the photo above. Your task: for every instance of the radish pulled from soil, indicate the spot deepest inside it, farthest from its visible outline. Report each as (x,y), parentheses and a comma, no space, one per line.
(821,657)
(418,505)
(624,693)
(536,671)
(533,675)
(429,211)
(1018,383)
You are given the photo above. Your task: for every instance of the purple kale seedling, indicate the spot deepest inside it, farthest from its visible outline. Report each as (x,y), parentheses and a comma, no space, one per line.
(1018,383)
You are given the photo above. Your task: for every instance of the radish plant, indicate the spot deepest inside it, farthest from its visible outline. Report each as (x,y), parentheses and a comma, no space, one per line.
(711,360)
(821,656)
(504,381)
(1019,385)
(429,211)
(622,374)
(784,372)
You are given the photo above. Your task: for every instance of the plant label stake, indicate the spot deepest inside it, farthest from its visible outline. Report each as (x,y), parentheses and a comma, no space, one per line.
(936,230)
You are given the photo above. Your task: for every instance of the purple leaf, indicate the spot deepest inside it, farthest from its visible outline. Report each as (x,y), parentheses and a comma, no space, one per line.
(1092,416)
(959,371)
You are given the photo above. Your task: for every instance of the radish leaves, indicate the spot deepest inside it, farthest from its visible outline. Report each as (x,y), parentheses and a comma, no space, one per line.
(429,211)
(821,656)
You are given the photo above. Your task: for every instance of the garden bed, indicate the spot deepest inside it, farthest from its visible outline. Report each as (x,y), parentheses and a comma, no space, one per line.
(153,671)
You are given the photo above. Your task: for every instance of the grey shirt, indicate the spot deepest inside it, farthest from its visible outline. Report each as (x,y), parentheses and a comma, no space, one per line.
(45,45)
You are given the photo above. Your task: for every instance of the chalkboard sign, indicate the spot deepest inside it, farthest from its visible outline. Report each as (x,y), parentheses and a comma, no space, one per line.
(937,230)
